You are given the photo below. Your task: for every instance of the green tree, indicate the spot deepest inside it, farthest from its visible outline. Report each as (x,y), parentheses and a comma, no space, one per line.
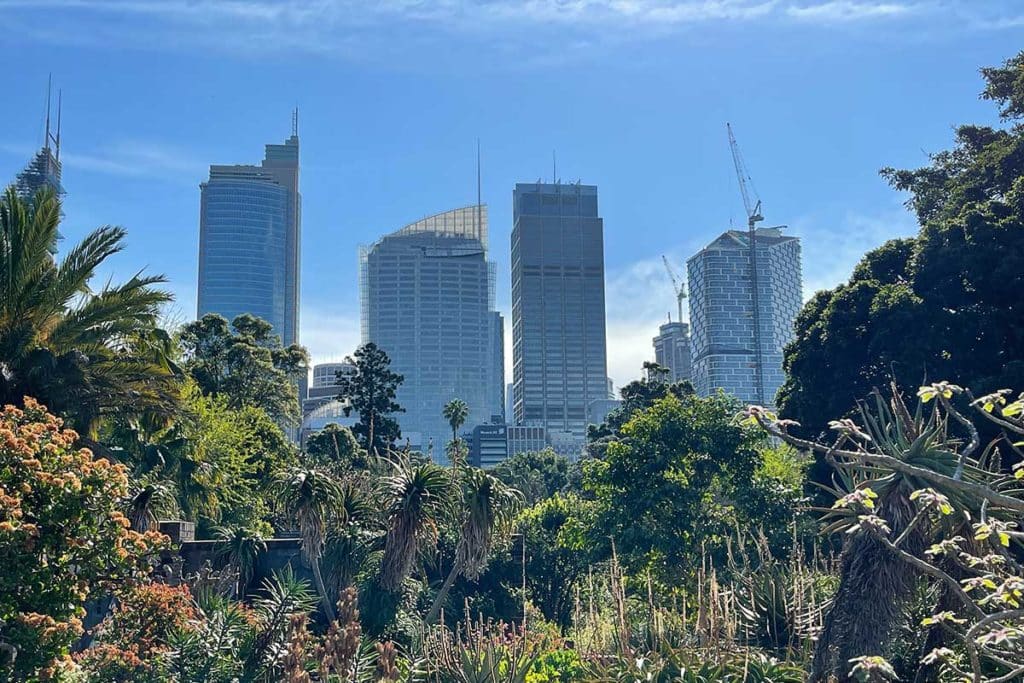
(245,363)
(309,496)
(336,448)
(488,508)
(945,303)
(682,477)
(86,354)
(535,474)
(63,538)
(371,390)
(455,411)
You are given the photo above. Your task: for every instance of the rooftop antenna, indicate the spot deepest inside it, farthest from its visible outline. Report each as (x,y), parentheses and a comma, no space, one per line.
(479,212)
(295,122)
(46,135)
(60,98)
(554,167)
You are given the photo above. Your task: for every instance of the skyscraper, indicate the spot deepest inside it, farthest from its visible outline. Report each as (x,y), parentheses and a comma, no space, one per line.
(736,346)
(559,355)
(250,223)
(672,350)
(427,300)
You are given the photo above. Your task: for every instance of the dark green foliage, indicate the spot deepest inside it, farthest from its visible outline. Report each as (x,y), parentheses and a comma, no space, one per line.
(372,391)
(336,448)
(947,303)
(245,363)
(535,474)
(681,478)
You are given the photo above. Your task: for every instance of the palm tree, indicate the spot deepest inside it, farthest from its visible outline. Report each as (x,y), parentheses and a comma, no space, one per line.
(242,548)
(83,353)
(488,508)
(418,496)
(147,501)
(455,411)
(308,496)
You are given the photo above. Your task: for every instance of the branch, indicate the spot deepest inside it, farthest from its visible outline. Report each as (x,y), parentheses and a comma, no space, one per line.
(892,463)
(971,429)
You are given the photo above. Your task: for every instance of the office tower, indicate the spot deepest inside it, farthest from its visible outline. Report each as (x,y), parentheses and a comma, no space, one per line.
(672,350)
(427,300)
(558,325)
(735,345)
(496,382)
(488,445)
(250,222)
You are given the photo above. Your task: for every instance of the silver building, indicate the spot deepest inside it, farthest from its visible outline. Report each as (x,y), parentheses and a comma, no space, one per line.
(250,222)
(735,345)
(672,350)
(558,316)
(427,300)
(321,406)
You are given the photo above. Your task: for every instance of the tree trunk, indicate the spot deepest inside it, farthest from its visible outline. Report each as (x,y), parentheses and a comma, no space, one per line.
(874,586)
(319,579)
(435,609)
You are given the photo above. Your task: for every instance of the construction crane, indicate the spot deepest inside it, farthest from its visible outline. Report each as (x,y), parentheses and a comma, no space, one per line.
(677,285)
(753,208)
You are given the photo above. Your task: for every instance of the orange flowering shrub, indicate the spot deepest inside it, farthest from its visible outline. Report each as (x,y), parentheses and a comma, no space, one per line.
(145,615)
(63,540)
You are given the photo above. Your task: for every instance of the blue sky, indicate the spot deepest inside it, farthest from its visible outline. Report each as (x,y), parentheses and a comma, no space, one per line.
(633,95)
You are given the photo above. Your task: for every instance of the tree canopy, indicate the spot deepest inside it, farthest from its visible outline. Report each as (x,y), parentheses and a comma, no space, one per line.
(948,302)
(245,363)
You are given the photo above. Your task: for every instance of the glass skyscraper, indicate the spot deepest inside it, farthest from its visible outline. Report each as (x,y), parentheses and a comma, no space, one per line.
(672,350)
(427,300)
(250,222)
(734,346)
(559,349)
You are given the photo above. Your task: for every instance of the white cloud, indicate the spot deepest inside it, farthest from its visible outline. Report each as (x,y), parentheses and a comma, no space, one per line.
(135,158)
(833,245)
(836,11)
(328,333)
(360,30)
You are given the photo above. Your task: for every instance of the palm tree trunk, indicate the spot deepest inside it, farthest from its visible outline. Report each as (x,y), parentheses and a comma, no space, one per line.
(443,593)
(322,589)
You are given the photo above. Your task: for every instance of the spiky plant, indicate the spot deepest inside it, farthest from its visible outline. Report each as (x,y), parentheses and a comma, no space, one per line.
(418,496)
(309,496)
(242,548)
(488,508)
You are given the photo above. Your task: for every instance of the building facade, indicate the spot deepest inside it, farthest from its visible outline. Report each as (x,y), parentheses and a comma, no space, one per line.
(427,300)
(559,354)
(672,350)
(321,405)
(250,224)
(488,446)
(735,345)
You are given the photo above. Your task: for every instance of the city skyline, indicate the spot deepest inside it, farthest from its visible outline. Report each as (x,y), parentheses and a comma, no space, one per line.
(649,131)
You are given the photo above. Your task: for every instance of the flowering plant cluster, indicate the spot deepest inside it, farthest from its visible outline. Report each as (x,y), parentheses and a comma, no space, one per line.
(63,538)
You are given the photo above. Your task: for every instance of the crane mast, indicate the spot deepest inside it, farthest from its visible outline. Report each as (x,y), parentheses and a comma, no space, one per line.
(753,209)
(677,285)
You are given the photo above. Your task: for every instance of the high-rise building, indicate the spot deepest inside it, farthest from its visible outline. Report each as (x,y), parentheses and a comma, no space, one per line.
(427,300)
(250,223)
(558,317)
(735,344)
(672,350)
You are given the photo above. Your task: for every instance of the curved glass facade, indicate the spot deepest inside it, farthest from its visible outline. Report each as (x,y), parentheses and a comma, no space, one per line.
(428,301)
(249,229)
